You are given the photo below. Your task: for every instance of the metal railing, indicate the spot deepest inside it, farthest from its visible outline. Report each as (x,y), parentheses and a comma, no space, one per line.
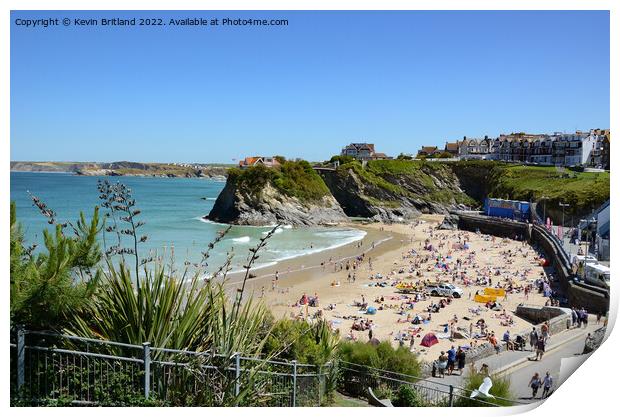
(355,380)
(49,366)
(56,367)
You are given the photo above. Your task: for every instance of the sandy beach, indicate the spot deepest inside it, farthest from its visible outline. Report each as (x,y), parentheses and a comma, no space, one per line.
(308,268)
(399,255)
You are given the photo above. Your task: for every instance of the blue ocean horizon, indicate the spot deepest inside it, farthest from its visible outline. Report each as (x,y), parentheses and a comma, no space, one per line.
(173,211)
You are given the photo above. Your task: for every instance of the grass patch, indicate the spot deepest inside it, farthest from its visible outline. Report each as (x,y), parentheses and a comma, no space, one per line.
(583,191)
(500,388)
(294,179)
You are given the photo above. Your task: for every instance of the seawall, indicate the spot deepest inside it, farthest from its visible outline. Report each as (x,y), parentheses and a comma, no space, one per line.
(593,299)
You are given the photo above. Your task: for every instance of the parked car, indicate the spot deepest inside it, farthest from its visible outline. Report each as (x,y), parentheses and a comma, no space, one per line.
(444,290)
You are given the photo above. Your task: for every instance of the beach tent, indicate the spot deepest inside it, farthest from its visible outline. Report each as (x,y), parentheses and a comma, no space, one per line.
(371,310)
(429,340)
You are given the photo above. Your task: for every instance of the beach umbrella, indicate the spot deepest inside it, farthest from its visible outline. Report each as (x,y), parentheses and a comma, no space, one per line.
(371,310)
(429,340)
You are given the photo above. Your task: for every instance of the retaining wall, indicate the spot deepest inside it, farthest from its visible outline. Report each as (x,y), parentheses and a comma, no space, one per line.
(559,320)
(593,299)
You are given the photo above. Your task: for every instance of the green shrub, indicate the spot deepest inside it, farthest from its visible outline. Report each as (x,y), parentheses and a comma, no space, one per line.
(382,356)
(292,178)
(313,343)
(384,392)
(47,289)
(407,396)
(298,179)
(342,159)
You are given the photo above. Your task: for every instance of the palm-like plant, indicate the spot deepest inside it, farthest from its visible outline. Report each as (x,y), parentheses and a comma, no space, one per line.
(172,313)
(181,311)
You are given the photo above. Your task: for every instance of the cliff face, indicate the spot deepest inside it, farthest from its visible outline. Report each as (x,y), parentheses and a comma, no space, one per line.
(476,178)
(238,205)
(395,190)
(293,193)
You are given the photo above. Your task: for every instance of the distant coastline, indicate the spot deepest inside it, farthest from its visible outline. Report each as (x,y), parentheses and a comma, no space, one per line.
(124,168)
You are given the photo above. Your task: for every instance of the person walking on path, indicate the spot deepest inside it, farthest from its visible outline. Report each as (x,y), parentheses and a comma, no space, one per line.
(547,385)
(534,384)
(584,317)
(460,358)
(533,339)
(544,329)
(540,348)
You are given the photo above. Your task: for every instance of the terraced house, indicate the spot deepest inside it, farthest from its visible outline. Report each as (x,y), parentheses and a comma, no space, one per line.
(573,149)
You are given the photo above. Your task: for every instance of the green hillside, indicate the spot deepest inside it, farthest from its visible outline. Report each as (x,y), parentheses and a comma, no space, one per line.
(294,179)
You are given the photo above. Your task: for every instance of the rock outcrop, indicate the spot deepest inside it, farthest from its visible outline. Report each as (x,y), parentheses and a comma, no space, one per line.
(394,197)
(450,222)
(270,206)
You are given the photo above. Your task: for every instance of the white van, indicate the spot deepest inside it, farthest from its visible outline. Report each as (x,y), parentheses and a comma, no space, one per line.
(597,274)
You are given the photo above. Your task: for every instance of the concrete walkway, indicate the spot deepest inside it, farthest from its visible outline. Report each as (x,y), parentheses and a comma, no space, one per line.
(551,362)
(502,363)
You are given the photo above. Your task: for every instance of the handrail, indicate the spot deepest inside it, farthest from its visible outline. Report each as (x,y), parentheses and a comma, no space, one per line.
(428,387)
(90,354)
(158,349)
(84,339)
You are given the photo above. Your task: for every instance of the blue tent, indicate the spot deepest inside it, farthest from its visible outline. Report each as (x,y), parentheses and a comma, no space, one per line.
(371,310)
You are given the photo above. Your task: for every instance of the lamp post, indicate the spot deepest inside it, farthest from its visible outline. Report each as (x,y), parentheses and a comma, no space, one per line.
(589,236)
(543,198)
(563,205)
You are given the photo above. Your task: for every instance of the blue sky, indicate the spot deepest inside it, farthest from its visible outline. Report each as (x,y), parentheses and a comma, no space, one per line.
(398,79)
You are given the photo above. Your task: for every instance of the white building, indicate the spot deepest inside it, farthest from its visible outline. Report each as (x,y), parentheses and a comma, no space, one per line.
(573,149)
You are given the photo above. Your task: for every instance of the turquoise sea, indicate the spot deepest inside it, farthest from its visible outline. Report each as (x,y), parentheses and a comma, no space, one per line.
(172,209)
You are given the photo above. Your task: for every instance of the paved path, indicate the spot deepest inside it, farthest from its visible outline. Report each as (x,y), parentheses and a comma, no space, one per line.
(518,362)
(520,375)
